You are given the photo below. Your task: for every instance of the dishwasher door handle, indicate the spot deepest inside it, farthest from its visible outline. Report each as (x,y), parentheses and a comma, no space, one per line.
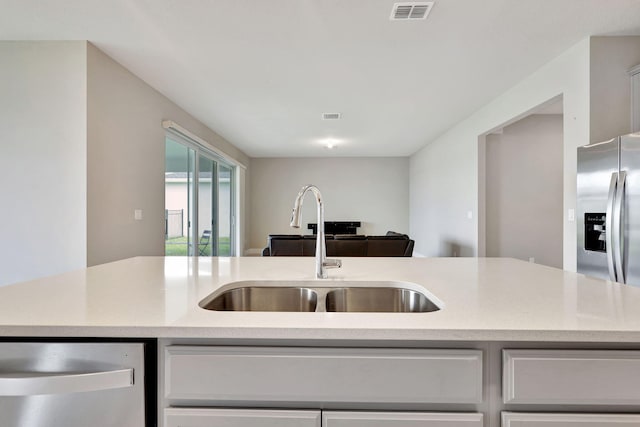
(35,383)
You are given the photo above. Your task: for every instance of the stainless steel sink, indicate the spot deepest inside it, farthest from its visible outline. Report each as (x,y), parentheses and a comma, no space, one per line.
(378,300)
(264,299)
(322,296)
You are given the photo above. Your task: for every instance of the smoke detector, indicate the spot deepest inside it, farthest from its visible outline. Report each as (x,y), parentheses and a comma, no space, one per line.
(411,10)
(331,116)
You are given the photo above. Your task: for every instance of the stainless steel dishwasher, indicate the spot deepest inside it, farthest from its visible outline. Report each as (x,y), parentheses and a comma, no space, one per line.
(72,384)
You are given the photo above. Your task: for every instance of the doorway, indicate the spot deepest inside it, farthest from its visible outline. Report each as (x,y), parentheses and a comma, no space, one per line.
(523,193)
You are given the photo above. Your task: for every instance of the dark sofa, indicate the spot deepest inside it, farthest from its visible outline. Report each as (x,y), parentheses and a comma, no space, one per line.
(391,245)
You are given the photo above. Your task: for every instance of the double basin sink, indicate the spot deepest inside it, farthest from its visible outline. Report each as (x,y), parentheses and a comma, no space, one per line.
(313,296)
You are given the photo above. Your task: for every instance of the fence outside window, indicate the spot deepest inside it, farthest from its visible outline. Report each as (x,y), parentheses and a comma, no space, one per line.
(174,223)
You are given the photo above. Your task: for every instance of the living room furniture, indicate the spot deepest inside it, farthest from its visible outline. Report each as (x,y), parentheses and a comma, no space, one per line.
(337,227)
(390,245)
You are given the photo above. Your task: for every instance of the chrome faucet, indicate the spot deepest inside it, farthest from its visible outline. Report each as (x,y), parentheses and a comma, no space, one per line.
(322,263)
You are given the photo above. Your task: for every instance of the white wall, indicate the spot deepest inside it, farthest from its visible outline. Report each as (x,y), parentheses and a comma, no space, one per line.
(444,175)
(126,160)
(372,190)
(524,190)
(42,159)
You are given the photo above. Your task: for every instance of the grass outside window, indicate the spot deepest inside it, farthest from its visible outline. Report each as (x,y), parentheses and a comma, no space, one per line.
(177,246)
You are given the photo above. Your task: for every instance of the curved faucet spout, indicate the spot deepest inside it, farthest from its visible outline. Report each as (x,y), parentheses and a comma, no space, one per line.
(297,205)
(322,263)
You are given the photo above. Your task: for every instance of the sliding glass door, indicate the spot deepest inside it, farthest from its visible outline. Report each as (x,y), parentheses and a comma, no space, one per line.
(225,213)
(199,202)
(178,198)
(206,206)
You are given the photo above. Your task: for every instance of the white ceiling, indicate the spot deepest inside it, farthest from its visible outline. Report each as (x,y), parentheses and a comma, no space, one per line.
(261,73)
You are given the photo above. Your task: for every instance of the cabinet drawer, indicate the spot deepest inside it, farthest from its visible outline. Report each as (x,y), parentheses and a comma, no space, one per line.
(247,374)
(516,419)
(579,377)
(201,417)
(399,419)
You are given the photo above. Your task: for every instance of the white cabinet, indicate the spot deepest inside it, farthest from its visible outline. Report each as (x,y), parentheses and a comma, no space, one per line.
(577,377)
(635,98)
(204,385)
(212,417)
(199,380)
(207,417)
(399,419)
(512,419)
(246,376)
(584,378)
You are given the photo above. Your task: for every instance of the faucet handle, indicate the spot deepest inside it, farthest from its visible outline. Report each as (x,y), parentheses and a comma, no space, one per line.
(332,263)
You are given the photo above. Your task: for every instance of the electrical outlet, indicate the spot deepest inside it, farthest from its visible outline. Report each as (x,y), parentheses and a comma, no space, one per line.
(137,214)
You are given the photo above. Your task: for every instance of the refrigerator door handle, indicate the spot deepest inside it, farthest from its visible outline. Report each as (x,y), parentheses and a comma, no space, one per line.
(618,221)
(609,231)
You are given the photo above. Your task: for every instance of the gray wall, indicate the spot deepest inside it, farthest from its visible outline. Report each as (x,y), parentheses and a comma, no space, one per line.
(374,190)
(83,147)
(611,59)
(592,80)
(524,190)
(42,159)
(446,180)
(125,160)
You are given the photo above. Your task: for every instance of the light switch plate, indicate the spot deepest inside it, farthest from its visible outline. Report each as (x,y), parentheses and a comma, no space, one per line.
(571,215)
(137,214)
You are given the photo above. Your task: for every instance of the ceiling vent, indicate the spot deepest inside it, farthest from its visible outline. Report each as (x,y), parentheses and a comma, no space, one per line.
(411,10)
(331,116)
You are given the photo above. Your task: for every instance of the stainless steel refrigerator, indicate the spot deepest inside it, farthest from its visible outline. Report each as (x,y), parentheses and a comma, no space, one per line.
(608,209)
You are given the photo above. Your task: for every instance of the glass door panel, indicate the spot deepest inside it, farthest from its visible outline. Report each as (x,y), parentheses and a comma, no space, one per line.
(179,191)
(225,211)
(206,206)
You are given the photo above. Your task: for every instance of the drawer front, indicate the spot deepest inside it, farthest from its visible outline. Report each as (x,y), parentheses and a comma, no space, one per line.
(202,417)
(608,377)
(246,374)
(514,419)
(399,419)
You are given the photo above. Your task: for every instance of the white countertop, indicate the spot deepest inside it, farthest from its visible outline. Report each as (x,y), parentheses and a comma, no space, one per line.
(485,299)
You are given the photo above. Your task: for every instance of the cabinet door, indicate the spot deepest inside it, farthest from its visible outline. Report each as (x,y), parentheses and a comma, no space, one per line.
(203,417)
(513,419)
(635,99)
(581,377)
(399,419)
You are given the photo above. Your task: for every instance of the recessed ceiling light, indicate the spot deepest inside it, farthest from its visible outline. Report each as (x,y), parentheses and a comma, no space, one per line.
(329,143)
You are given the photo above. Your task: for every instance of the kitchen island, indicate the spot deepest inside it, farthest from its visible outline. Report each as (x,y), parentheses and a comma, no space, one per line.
(513,344)
(484,299)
